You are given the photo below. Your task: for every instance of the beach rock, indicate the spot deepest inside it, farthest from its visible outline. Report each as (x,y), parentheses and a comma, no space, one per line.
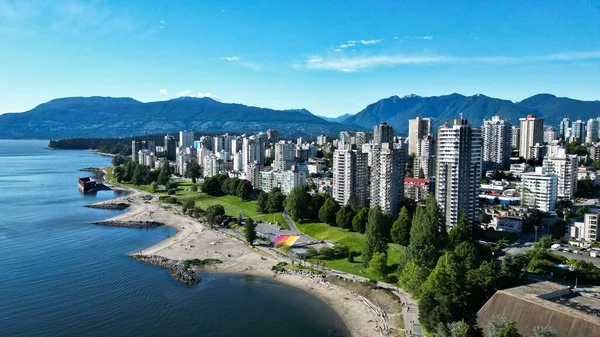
(130,224)
(112,206)
(177,268)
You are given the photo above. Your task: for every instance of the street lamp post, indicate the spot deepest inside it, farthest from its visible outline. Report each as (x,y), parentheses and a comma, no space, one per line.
(536,228)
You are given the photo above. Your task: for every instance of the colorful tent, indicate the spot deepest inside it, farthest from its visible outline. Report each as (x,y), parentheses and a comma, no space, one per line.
(287,240)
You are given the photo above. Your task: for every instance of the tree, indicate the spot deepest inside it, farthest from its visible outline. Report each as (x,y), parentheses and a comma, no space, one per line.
(315,204)
(544,242)
(188,205)
(462,232)
(353,202)
(482,283)
(165,173)
(128,171)
(455,329)
(328,211)
(350,256)
(296,202)
(214,214)
(421,173)
(225,185)
(401,228)
(118,160)
(250,231)
(138,175)
(375,240)
(153,187)
(378,265)
(275,201)
(212,186)
(359,222)
(443,299)
(544,331)
(344,217)
(500,327)
(193,171)
(118,173)
(512,271)
(244,190)
(261,202)
(558,229)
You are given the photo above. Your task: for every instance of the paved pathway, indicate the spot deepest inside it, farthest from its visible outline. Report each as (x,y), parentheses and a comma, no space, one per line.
(290,223)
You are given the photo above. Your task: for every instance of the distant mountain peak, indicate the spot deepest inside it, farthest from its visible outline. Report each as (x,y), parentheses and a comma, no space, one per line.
(410,96)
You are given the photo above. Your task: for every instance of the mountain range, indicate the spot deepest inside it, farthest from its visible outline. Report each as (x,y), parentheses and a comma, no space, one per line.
(120,117)
(397,111)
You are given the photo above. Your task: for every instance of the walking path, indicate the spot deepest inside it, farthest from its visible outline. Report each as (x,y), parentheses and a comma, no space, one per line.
(290,223)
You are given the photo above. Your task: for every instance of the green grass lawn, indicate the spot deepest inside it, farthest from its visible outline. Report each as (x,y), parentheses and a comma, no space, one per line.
(354,241)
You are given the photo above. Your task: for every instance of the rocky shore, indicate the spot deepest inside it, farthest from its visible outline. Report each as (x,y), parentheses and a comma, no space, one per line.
(130,224)
(177,268)
(112,206)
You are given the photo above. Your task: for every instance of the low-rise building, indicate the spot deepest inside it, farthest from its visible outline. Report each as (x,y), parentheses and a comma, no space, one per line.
(539,190)
(520,168)
(586,230)
(416,189)
(506,224)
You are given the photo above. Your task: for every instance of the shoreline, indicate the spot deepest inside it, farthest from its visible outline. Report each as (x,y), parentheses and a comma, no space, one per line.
(194,239)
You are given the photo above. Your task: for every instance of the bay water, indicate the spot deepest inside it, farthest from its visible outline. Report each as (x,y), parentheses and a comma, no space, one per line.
(62,276)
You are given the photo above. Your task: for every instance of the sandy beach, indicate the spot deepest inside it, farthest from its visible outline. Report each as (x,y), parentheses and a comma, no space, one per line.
(195,240)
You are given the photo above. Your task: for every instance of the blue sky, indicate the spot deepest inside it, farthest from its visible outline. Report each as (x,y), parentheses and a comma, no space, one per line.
(331,57)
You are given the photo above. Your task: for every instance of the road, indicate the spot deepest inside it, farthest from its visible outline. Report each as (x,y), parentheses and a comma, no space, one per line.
(529,245)
(290,223)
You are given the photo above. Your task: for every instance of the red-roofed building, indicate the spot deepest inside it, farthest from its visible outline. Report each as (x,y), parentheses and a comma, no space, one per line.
(416,188)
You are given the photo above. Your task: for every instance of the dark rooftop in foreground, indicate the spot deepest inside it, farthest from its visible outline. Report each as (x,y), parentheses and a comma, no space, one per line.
(545,303)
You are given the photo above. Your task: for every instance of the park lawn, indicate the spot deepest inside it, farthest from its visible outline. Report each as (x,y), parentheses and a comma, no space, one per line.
(354,241)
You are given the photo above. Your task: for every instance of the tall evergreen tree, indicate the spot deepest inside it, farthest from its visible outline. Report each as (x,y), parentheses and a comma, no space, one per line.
(375,240)
(261,202)
(359,222)
(328,211)
(295,203)
(165,173)
(344,217)
(250,233)
(401,228)
(462,232)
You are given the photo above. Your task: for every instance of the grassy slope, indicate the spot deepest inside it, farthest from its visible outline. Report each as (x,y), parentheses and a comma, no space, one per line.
(321,231)
(352,240)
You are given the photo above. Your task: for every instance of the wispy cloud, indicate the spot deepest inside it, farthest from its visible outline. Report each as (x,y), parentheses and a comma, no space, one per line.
(163,91)
(238,60)
(353,64)
(183,93)
(161,24)
(353,43)
(427,37)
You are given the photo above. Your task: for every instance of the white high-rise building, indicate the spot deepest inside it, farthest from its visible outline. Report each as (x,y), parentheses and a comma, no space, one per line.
(424,157)
(578,130)
(539,190)
(350,175)
(383,133)
(252,150)
(285,180)
(186,139)
(212,166)
(550,135)
(564,126)
(515,138)
(284,155)
(417,129)
(496,135)
(532,133)
(237,161)
(565,167)
(387,176)
(458,170)
(592,130)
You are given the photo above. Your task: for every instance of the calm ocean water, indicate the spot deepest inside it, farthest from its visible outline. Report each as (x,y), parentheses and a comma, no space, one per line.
(61,276)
